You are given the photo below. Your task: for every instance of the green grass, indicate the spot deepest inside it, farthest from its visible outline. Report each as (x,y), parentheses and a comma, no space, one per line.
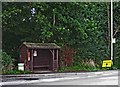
(78,68)
(16,72)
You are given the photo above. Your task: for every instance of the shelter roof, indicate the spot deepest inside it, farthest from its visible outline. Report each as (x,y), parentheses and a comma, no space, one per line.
(41,45)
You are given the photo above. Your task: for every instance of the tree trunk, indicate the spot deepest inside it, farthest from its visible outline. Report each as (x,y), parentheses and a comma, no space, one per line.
(108,12)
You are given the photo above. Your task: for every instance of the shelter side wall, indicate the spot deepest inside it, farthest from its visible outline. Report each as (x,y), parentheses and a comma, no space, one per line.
(23,54)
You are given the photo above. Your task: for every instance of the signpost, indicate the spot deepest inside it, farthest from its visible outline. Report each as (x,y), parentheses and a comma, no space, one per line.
(107,63)
(111,29)
(28,56)
(114,40)
(21,66)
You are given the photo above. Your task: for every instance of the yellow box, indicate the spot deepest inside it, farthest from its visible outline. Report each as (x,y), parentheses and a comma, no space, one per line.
(107,63)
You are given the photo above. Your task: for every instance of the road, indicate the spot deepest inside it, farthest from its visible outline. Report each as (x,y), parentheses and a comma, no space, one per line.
(95,78)
(87,78)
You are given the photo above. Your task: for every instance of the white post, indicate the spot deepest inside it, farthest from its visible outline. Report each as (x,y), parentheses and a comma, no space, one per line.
(111,29)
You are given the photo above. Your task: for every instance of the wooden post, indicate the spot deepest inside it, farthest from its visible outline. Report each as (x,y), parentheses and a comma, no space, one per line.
(32,60)
(57,58)
(53,59)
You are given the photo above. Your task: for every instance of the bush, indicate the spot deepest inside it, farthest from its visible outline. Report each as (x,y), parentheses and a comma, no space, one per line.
(78,68)
(7,62)
(16,72)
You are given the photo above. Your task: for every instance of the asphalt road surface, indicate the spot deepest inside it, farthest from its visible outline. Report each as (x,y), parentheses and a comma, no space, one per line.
(95,78)
(87,78)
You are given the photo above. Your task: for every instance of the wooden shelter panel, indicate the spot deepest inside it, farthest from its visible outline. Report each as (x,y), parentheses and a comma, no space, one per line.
(23,53)
(43,58)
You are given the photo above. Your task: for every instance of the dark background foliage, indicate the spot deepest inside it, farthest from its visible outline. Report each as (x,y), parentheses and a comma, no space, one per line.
(82,26)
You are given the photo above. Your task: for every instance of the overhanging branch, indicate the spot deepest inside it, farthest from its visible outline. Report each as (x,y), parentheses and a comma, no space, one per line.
(116,31)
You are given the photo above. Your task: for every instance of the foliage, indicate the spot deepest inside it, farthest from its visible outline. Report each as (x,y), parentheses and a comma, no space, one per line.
(84,26)
(67,56)
(116,23)
(78,68)
(16,72)
(7,62)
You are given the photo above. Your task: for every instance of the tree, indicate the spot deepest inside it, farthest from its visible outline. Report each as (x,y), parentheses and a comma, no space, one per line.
(82,26)
(116,24)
